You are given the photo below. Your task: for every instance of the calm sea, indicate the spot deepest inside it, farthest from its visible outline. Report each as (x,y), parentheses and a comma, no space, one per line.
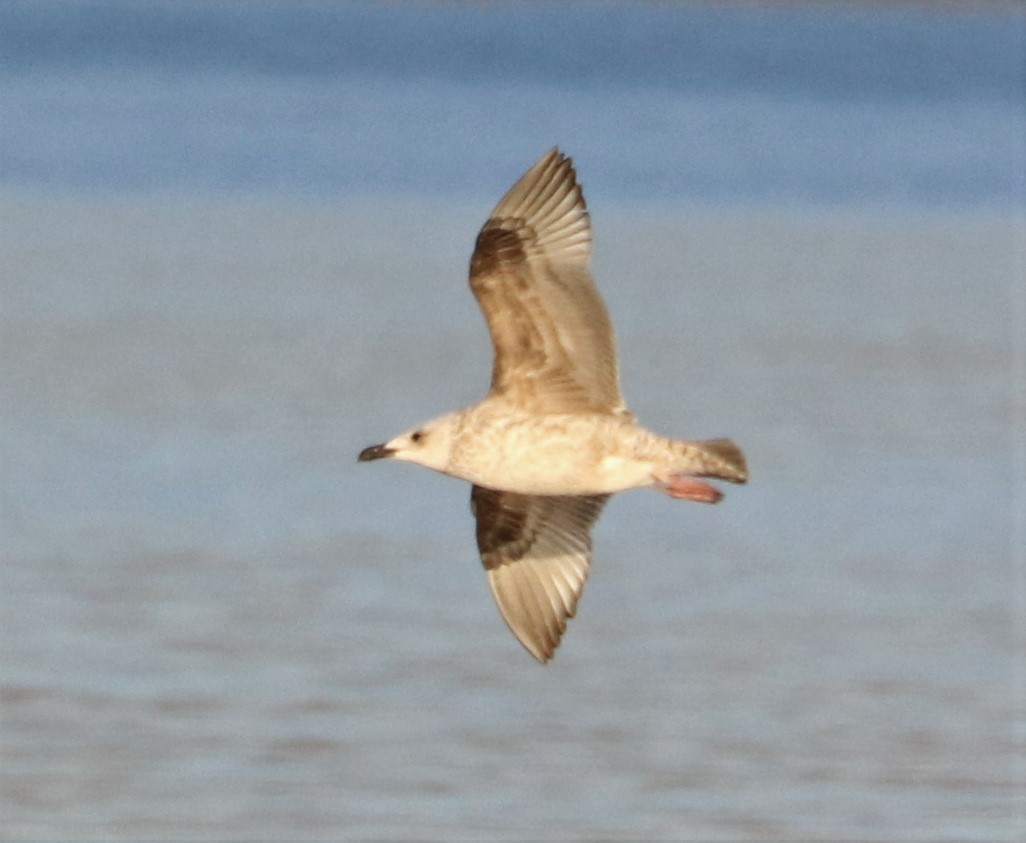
(678,103)
(233,245)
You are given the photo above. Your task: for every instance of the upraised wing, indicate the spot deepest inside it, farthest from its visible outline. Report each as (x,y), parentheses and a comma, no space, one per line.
(553,341)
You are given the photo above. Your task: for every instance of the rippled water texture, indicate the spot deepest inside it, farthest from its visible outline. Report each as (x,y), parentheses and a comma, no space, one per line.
(216,624)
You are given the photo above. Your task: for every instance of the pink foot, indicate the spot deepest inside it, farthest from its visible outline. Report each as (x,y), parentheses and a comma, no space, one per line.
(685,487)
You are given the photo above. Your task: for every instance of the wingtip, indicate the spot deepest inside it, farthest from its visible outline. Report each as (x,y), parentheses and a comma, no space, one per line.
(554,153)
(543,657)
(546,211)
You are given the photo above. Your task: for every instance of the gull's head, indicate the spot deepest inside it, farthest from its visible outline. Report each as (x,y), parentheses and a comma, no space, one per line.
(428,444)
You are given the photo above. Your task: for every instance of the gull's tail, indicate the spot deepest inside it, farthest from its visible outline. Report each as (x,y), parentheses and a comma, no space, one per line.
(685,461)
(719,458)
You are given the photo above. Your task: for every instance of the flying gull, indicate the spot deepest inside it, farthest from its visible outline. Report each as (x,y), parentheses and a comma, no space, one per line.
(552,440)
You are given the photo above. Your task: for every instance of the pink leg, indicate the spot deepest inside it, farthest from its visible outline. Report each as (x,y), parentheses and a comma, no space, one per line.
(686,487)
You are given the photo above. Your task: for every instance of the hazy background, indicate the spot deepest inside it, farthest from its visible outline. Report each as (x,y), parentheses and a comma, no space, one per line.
(233,246)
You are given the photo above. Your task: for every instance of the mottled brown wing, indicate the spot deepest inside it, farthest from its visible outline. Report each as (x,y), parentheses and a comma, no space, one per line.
(553,341)
(536,550)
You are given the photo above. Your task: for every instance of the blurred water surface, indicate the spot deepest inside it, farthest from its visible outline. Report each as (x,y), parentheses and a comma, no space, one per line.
(666,102)
(233,254)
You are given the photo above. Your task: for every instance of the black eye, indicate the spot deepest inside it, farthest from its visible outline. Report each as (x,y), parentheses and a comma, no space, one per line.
(416,437)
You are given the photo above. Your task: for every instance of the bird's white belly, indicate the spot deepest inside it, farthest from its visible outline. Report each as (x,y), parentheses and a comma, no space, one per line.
(552,455)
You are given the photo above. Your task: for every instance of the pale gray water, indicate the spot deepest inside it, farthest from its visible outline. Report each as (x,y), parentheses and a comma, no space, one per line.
(217,625)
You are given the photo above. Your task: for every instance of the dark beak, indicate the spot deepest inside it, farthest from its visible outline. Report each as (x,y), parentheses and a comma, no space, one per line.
(374,452)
